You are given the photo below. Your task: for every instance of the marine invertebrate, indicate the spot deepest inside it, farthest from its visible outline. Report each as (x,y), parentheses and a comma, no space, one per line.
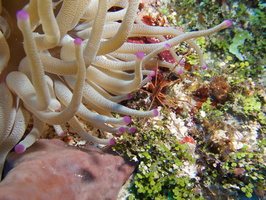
(62,78)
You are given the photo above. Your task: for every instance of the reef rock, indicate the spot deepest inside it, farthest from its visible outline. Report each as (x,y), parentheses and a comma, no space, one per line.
(50,170)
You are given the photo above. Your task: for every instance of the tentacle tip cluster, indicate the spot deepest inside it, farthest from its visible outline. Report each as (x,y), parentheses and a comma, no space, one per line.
(78,41)
(228,23)
(112,142)
(20,148)
(22,15)
(95,38)
(127,120)
(140,55)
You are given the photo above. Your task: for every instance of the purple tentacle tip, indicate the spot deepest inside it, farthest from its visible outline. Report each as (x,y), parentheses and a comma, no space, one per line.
(204,67)
(132,129)
(129,96)
(179,70)
(112,142)
(182,63)
(78,41)
(62,134)
(127,120)
(167,46)
(140,55)
(22,15)
(121,129)
(20,148)
(156,112)
(228,23)
(150,77)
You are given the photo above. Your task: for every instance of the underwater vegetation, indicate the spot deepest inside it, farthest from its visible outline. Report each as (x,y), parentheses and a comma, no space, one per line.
(210,143)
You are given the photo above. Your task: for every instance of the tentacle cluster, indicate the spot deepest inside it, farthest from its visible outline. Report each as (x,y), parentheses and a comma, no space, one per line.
(79,65)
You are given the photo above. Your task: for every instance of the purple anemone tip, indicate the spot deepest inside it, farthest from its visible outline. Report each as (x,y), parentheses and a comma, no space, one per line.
(22,15)
(156,112)
(150,77)
(140,55)
(228,23)
(62,134)
(182,63)
(112,142)
(58,108)
(129,96)
(179,70)
(127,120)
(78,41)
(167,46)
(204,67)
(20,148)
(132,129)
(121,129)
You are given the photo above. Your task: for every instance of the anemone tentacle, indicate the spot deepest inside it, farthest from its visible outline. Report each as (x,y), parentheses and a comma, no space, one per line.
(4,52)
(36,67)
(20,125)
(7,112)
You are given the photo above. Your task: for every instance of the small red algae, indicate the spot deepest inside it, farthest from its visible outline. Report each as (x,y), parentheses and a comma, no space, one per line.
(187,139)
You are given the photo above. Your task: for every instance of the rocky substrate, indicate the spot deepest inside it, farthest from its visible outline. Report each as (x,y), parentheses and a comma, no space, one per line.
(49,169)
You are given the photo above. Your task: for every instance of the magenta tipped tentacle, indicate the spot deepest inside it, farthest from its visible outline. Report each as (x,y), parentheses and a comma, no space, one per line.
(22,15)
(78,41)
(182,63)
(228,23)
(62,134)
(153,73)
(59,130)
(127,119)
(155,112)
(121,129)
(132,130)
(20,148)
(179,70)
(140,55)
(145,80)
(167,46)
(55,105)
(129,96)
(204,67)
(112,142)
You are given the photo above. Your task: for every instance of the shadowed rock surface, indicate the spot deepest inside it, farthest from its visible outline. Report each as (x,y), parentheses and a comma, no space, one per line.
(51,170)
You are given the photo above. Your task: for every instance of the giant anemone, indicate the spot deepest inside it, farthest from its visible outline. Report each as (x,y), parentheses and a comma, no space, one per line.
(70,61)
